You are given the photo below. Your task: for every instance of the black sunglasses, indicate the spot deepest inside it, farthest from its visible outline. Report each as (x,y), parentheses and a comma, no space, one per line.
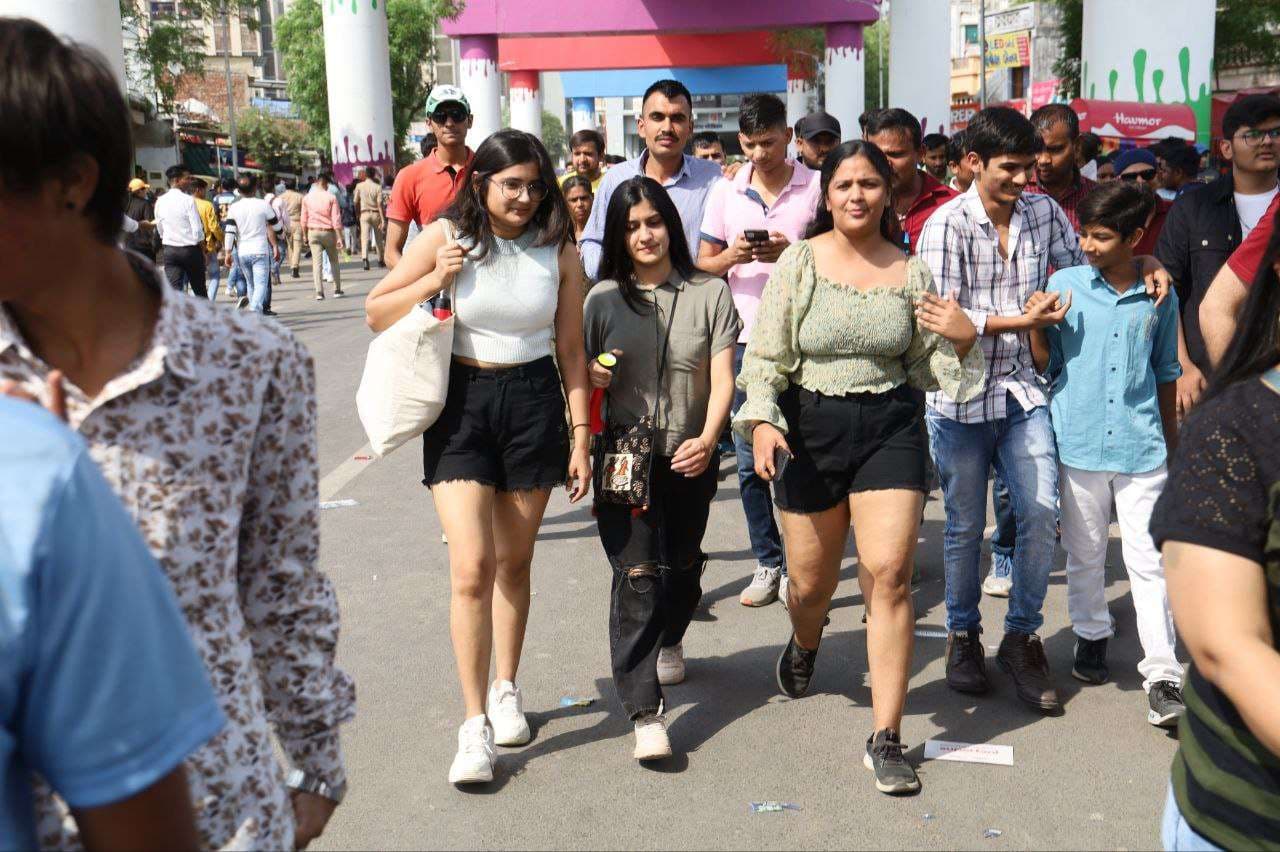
(1145,174)
(453,111)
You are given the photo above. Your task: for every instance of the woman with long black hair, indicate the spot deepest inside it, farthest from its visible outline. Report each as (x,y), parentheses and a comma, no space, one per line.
(847,325)
(672,331)
(501,442)
(1218,524)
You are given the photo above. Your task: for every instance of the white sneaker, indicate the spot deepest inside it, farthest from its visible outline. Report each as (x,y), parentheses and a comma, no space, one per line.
(764,587)
(783,582)
(671,665)
(652,742)
(510,728)
(997,587)
(473,764)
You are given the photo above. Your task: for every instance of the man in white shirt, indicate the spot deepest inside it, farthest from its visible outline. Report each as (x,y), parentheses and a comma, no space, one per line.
(252,230)
(181,233)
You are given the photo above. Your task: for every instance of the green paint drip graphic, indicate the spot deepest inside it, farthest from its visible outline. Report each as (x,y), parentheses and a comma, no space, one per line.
(1184,68)
(1157,79)
(1140,74)
(1113,78)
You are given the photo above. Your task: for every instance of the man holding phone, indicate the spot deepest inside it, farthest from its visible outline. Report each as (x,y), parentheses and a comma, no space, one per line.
(749,219)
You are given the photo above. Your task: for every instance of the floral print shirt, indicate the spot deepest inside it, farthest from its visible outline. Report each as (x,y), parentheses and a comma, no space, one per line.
(209,440)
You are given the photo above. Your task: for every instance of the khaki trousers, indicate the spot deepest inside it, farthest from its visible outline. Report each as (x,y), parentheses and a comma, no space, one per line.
(371,220)
(324,242)
(295,244)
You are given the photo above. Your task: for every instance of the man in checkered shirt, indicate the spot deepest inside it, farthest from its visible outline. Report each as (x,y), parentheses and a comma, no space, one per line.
(992,248)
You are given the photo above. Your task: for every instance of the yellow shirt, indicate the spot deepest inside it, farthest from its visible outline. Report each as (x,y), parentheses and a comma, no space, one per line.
(595,184)
(212,230)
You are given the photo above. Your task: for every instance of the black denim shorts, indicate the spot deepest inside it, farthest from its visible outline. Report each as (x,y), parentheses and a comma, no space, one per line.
(669,534)
(842,445)
(503,427)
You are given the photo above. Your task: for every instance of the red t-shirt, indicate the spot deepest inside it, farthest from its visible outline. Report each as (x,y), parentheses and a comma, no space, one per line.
(1070,200)
(1244,262)
(933,195)
(425,189)
(1147,245)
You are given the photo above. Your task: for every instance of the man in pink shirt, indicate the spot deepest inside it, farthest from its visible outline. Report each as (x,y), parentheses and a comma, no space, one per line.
(779,198)
(322,231)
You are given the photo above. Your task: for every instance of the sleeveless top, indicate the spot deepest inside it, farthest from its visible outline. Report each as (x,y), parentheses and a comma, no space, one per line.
(504,306)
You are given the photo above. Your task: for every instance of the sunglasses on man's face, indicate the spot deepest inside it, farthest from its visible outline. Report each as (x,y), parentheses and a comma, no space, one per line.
(444,113)
(1145,174)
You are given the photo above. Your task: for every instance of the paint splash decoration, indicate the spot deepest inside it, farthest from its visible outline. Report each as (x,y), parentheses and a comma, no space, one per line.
(1201,103)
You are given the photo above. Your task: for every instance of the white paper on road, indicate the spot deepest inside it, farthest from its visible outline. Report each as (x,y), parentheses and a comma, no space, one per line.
(1000,755)
(927,633)
(338,504)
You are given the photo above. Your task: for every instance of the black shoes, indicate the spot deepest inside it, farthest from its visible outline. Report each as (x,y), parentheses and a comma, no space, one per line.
(884,757)
(1167,707)
(295,272)
(1090,664)
(1022,656)
(382,263)
(366,264)
(795,668)
(966,662)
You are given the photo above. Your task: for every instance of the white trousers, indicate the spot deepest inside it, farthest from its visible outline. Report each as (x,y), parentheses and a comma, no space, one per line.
(1086,515)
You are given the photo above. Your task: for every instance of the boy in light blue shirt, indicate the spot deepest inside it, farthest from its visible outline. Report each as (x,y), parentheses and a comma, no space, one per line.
(1112,360)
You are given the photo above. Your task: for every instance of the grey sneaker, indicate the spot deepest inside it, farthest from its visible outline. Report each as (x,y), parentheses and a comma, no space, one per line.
(764,586)
(1167,707)
(997,587)
(884,757)
(795,668)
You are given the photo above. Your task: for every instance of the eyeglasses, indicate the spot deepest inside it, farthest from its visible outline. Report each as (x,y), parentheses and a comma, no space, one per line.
(454,111)
(1145,174)
(1253,138)
(512,189)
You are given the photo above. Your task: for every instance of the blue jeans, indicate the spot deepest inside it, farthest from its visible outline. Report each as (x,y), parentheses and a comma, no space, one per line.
(235,279)
(214,274)
(1005,536)
(1176,835)
(1022,449)
(256,268)
(757,497)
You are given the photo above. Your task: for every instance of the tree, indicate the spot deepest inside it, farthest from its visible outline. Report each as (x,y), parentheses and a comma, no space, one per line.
(553,137)
(164,49)
(276,144)
(411,28)
(1244,32)
(804,50)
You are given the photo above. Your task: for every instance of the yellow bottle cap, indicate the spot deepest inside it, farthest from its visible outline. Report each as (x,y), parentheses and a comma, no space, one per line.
(607,359)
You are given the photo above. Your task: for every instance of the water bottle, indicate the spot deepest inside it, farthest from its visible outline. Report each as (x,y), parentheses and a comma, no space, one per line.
(443,305)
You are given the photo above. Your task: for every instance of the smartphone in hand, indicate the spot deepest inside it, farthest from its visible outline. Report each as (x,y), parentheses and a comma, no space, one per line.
(780,460)
(756,236)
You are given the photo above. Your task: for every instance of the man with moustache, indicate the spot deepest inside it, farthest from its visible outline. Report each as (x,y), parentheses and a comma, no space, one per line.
(916,192)
(1057,172)
(665,124)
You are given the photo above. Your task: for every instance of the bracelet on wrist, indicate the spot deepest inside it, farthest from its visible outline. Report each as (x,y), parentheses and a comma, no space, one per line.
(581,426)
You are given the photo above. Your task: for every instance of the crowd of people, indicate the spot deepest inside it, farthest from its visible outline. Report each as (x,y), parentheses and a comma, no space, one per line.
(869,318)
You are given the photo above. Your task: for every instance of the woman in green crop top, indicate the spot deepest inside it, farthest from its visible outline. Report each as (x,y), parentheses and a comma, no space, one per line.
(847,327)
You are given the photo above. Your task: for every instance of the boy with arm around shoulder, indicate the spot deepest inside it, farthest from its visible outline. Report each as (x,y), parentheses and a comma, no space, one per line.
(1112,360)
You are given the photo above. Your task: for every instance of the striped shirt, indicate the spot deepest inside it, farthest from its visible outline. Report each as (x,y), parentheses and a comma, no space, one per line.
(961,246)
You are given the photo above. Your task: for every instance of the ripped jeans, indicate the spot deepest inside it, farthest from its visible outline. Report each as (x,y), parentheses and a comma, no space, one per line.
(657,563)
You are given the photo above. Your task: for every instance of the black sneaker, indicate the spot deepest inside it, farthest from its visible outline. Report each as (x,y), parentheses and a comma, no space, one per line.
(884,757)
(1021,655)
(1090,665)
(795,668)
(295,272)
(366,264)
(966,662)
(1166,703)
(243,303)
(267,312)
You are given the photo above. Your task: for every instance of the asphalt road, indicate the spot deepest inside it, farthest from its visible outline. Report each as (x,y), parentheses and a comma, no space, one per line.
(1092,778)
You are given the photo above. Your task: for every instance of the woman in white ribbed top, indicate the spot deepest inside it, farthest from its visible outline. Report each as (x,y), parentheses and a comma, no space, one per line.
(504,249)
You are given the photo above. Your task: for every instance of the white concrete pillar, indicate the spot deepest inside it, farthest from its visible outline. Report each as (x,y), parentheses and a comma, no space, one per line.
(526,102)
(615,127)
(801,92)
(584,114)
(478,76)
(1129,54)
(358,72)
(92,23)
(920,62)
(846,76)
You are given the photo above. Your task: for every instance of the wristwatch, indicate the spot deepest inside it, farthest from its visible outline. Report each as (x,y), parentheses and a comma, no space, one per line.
(304,783)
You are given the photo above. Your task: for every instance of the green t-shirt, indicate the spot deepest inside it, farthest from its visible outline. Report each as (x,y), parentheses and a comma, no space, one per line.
(1224,493)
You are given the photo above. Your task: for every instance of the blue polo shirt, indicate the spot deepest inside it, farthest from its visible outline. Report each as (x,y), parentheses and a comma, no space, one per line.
(1106,358)
(101,689)
(688,191)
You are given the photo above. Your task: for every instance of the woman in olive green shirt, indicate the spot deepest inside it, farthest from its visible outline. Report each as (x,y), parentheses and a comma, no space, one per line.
(847,325)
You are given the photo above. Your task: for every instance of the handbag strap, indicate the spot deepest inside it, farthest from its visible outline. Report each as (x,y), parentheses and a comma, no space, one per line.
(662,357)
